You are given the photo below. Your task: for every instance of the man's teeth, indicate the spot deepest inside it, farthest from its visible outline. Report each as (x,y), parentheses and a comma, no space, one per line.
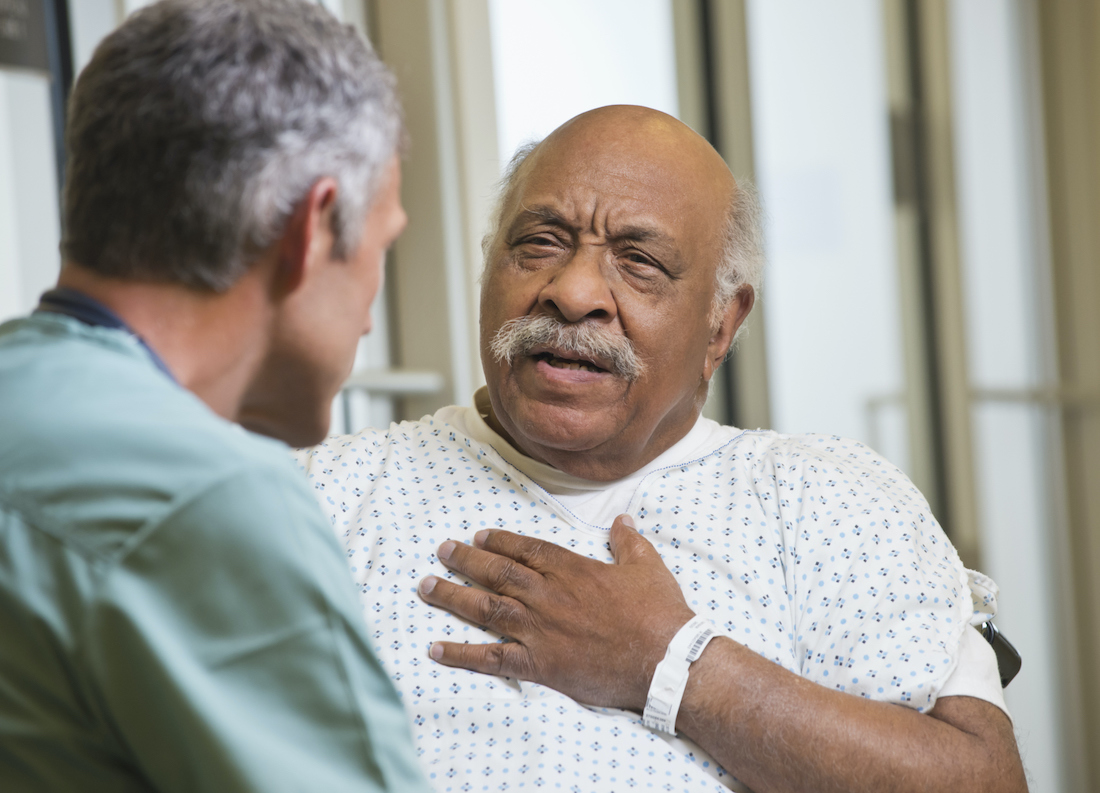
(559,363)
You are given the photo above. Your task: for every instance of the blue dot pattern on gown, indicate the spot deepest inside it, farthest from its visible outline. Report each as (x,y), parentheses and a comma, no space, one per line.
(811,550)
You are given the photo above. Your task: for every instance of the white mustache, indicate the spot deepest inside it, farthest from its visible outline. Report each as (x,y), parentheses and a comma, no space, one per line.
(519,336)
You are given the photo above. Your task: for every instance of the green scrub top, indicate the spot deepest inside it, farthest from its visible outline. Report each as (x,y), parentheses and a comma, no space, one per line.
(175,612)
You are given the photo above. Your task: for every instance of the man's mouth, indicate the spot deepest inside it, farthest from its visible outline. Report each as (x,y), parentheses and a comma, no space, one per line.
(567,363)
(574,349)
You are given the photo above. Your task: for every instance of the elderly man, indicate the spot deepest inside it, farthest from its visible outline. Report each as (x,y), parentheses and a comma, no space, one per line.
(799,621)
(175,614)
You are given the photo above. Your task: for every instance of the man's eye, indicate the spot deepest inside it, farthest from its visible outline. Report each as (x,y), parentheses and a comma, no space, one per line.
(639,262)
(540,240)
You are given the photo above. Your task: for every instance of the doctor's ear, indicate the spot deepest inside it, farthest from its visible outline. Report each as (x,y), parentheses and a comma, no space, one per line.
(308,237)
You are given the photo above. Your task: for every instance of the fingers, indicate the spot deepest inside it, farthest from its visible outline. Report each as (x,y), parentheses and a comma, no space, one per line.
(507,659)
(489,569)
(501,614)
(538,555)
(627,546)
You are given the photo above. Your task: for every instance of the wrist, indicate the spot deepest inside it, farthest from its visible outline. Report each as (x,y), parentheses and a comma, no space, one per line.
(670,677)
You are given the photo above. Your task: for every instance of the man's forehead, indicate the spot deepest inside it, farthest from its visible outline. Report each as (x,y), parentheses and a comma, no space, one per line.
(623,167)
(627,195)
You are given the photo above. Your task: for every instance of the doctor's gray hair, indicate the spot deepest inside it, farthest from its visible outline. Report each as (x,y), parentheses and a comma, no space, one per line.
(199,126)
(741,261)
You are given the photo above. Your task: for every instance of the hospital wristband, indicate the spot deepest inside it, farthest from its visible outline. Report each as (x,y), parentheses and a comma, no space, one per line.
(671,675)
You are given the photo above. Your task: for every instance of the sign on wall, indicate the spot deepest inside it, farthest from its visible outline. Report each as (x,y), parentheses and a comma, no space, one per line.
(23,35)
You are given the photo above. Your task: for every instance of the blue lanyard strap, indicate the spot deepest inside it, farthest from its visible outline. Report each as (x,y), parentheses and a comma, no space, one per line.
(90,311)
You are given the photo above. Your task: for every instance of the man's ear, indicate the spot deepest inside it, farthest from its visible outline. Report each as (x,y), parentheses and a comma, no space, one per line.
(732,318)
(308,237)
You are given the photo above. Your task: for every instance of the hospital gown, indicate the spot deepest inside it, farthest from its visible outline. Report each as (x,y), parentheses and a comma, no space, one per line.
(811,550)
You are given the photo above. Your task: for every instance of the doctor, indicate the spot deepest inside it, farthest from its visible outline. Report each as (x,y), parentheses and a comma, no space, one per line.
(174,611)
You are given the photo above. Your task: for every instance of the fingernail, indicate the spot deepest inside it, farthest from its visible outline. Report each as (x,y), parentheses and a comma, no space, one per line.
(427,585)
(436,651)
(446,549)
(629,521)
(481,537)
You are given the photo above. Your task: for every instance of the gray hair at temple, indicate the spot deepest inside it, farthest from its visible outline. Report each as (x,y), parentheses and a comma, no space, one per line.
(742,256)
(200,125)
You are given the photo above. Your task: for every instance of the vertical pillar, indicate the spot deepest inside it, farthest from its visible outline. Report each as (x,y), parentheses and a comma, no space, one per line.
(432,48)
(1069,53)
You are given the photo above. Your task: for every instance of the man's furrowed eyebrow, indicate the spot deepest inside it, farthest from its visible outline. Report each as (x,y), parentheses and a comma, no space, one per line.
(635,233)
(542,213)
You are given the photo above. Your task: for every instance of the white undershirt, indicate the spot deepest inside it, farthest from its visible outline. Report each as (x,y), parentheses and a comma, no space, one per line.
(598,503)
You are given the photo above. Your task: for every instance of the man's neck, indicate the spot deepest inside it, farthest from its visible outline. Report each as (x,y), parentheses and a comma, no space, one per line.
(211,342)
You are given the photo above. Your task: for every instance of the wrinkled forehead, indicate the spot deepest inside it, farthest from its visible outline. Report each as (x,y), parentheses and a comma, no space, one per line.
(631,182)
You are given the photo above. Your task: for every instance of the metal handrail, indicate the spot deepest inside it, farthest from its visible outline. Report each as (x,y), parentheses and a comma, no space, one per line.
(395,382)
(1065,397)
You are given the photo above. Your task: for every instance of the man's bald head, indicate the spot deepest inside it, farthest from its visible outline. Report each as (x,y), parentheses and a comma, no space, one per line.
(631,132)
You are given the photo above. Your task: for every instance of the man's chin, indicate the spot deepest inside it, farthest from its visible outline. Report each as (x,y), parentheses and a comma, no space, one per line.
(561,428)
(567,425)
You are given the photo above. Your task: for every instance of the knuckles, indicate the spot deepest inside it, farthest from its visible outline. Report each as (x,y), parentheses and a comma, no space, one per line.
(498,613)
(497,661)
(507,575)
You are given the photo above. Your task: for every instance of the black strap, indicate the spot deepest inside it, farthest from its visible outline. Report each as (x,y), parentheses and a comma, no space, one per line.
(90,311)
(1008,658)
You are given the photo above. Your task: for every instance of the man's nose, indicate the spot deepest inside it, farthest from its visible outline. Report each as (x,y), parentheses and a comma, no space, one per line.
(579,289)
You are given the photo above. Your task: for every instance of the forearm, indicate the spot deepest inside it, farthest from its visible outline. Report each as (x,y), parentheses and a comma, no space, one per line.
(776,731)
